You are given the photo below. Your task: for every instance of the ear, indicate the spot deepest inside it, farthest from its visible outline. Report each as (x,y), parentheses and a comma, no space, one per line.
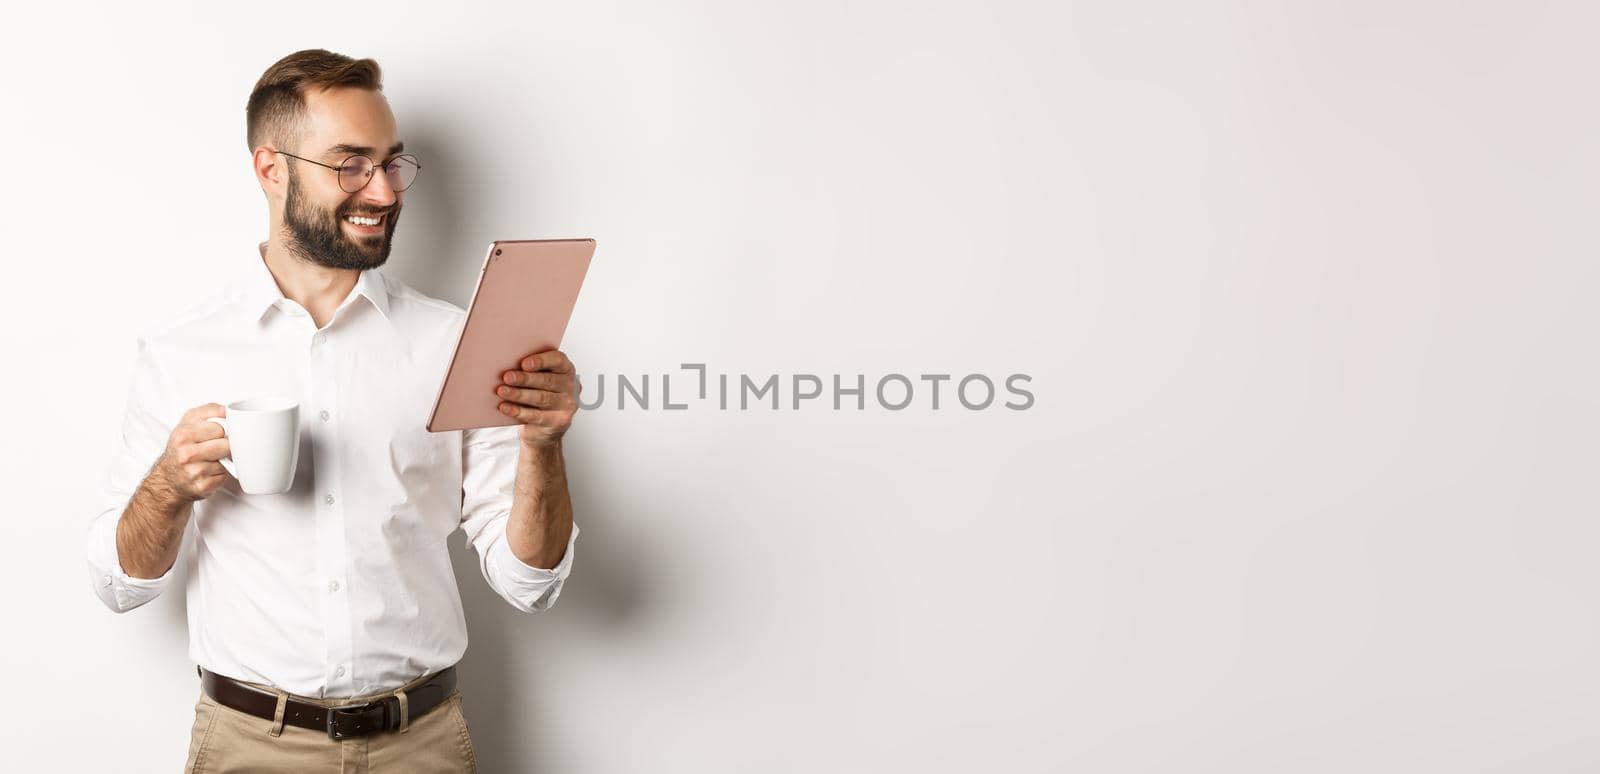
(270,171)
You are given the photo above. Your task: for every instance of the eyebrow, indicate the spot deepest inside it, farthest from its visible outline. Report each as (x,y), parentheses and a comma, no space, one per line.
(361,149)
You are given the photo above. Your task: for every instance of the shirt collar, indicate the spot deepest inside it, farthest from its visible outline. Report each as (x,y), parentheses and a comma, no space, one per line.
(259,291)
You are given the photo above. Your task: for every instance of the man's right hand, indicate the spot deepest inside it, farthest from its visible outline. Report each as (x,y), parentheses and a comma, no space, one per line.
(189,467)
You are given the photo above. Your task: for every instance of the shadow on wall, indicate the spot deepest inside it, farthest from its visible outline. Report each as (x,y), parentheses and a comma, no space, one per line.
(512,655)
(432,251)
(509,653)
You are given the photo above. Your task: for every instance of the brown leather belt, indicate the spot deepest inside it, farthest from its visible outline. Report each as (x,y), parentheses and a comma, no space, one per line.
(342,722)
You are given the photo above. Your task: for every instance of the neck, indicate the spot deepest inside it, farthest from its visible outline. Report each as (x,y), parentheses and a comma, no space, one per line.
(318,289)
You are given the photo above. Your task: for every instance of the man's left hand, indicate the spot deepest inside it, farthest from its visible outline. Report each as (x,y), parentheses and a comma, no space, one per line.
(542,395)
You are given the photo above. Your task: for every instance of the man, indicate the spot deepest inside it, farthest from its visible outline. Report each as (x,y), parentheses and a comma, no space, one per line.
(339,592)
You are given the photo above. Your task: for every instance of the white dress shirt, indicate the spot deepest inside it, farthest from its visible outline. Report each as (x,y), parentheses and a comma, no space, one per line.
(341,586)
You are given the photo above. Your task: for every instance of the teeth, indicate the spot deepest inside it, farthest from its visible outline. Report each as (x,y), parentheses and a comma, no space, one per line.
(360,221)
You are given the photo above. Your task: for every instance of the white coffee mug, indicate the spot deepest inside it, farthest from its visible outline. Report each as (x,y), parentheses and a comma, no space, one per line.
(263,443)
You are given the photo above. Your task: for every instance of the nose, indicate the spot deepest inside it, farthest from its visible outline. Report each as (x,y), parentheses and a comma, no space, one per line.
(377,192)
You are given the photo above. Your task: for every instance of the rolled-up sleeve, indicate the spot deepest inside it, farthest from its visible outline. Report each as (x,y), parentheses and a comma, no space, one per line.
(488,484)
(143,438)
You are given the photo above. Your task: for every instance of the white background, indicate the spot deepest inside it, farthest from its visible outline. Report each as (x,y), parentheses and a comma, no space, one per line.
(1307,295)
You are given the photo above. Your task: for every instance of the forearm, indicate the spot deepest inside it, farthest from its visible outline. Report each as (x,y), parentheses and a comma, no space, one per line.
(541,507)
(151,529)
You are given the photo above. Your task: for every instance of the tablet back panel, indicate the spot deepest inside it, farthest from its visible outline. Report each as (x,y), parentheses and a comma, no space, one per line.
(522,303)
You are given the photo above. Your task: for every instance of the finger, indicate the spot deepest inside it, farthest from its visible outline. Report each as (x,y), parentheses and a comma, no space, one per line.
(195,428)
(200,451)
(202,470)
(539,380)
(553,360)
(197,437)
(544,399)
(205,410)
(533,416)
(214,449)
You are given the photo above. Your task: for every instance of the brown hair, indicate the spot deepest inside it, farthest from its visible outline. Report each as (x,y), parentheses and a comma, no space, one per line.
(278,101)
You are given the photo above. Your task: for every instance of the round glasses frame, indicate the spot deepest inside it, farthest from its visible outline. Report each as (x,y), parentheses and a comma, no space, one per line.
(371,167)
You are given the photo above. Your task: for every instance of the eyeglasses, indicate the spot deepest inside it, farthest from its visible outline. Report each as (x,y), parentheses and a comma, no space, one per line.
(355,172)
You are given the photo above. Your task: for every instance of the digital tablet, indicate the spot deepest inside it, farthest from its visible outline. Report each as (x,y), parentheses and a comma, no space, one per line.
(524,298)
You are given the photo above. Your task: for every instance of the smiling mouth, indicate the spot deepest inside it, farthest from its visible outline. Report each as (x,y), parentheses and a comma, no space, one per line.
(365,221)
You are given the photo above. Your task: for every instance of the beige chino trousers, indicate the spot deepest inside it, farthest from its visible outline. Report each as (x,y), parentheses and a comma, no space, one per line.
(224,739)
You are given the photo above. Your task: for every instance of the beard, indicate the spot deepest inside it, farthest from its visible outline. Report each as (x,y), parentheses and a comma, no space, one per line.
(317,235)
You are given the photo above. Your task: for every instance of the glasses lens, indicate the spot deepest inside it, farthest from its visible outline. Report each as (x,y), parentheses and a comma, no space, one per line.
(354,173)
(402,171)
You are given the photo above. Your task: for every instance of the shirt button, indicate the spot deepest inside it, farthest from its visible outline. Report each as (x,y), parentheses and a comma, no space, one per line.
(317,339)
(327,499)
(324,416)
(338,672)
(333,585)
(106,580)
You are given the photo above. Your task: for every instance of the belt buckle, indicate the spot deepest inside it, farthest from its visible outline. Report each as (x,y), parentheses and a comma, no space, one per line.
(353,710)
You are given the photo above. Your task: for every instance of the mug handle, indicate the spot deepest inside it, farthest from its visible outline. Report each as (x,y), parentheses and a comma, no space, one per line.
(227,462)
